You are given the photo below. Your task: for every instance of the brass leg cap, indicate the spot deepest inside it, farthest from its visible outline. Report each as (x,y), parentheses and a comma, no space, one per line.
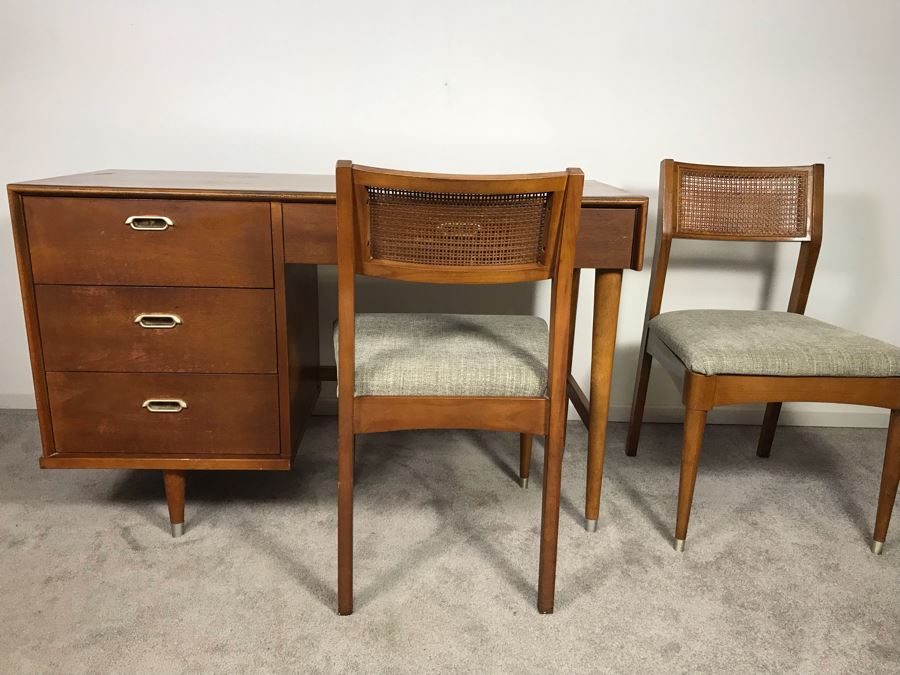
(877,547)
(523,482)
(177,529)
(590,525)
(679,545)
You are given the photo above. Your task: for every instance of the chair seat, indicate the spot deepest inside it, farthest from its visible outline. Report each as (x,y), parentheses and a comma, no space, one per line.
(733,342)
(450,355)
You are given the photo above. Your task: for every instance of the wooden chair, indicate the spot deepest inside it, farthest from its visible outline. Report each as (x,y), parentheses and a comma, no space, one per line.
(403,371)
(722,357)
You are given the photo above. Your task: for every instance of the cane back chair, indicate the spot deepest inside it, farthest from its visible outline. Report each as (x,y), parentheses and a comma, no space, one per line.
(723,357)
(430,371)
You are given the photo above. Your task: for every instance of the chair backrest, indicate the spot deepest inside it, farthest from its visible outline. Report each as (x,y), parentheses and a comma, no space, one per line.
(453,229)
(457,229)
(733,203)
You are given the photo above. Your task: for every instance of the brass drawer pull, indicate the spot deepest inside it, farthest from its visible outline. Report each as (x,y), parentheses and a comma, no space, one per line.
(157,320)
(149,223)
(164,405)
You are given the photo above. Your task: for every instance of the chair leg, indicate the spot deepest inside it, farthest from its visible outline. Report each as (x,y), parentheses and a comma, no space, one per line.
(694,425)
(553,452)
(767,433)
(637,405)
(174,483)
(345,523)
(524,459)
(890,477)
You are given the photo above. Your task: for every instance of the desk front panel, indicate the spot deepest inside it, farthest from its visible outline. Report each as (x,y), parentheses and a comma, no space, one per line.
(609,237)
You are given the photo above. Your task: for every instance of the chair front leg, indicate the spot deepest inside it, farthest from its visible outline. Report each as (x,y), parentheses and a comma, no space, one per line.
(890,477)
(694,425)
(767,433)
(345,522)
(553,454)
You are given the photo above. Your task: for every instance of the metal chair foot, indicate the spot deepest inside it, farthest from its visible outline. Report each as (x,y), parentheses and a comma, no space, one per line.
(877,547)
(177,529)
(523,482)
(590,525)
(679,545)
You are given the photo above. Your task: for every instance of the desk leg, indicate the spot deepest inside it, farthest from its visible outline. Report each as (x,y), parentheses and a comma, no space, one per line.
(607,290)
(174,482)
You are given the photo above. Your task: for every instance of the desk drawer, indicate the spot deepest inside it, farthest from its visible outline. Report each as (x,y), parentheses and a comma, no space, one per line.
(607,237)
(103,413)
(205,330)
(76,240)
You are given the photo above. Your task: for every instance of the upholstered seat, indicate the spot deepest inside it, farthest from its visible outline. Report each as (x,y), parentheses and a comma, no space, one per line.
(733,342)
(450,355)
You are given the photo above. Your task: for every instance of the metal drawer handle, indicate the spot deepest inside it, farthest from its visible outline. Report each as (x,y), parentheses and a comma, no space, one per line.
(157,320)
(164,405)
(149,223)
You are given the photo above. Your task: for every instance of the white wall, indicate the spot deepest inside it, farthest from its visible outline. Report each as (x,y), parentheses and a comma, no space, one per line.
(485,86)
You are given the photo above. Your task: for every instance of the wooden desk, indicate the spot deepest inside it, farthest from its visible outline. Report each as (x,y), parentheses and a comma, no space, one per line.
(186,338)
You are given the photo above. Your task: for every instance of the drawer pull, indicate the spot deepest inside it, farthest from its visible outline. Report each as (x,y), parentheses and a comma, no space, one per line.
(164,405)
(149,223)
(157,320)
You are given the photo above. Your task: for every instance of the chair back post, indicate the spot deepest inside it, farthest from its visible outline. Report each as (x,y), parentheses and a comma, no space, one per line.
(809,250)
(561,297)
(664,230)
(345,357)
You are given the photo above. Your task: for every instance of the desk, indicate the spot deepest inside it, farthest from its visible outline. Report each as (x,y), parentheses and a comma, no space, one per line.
(172,316)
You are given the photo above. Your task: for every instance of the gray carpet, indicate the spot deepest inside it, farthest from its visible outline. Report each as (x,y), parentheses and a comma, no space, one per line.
(777,575)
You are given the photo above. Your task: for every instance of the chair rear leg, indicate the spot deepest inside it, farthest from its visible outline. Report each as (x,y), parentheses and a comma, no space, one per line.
(890,477)
(694,425)
(637,405)
(345,523)
(767,433)
(524,459)
(553,452)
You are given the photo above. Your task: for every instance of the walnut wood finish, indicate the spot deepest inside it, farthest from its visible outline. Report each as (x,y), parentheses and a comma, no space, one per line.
(94,328)
(525,443)
(607,289)
(701,393)
(86,241)
(174,482)
(610,237)
(297,313)
(99,413)
(255,226)
(890,477)
(310,233)
(393,413)
(535,415)
(220,267)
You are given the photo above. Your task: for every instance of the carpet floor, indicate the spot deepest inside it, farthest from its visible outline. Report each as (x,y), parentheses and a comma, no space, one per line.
(777,575)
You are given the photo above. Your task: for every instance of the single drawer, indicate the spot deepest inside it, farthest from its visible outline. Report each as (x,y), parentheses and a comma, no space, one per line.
(607,238)
(149,242)
(164,414)
(138,329)
(310,233)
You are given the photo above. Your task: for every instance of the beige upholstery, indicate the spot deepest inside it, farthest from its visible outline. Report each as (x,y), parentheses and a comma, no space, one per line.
(719,342)
(450,355)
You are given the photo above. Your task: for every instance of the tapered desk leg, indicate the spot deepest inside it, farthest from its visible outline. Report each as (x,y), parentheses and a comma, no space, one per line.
(607,290)
(174,482)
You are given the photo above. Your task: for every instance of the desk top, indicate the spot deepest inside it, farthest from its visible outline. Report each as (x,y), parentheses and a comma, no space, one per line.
(280,186)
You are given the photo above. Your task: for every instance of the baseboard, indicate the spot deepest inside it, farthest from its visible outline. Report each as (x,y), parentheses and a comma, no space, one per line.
(737,414)
(733,414)
(18,401)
